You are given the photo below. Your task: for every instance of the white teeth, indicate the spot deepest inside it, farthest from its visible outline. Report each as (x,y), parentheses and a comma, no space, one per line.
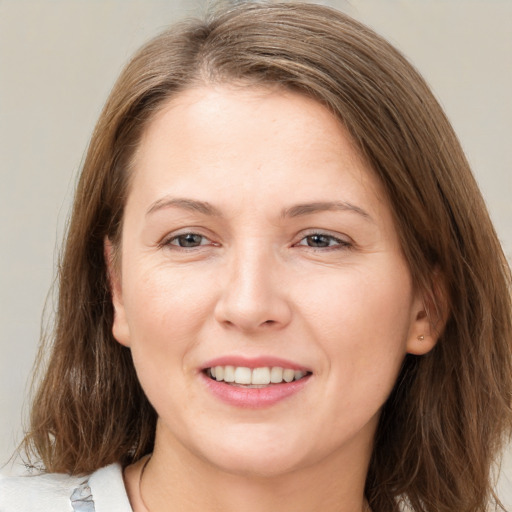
(288,375)
(276,375)
(243,375)
(255,377)
(260,376)
(229,374)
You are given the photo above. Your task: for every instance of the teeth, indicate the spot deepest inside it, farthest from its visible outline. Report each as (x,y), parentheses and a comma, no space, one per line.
(256,376)
(288,375)
(229,374)
(243,375)
(276,375)
(261,376)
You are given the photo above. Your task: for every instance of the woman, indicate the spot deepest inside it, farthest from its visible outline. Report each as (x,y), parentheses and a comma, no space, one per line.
(280,287)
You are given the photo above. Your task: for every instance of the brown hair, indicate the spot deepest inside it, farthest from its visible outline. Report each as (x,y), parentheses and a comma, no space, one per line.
(445,422)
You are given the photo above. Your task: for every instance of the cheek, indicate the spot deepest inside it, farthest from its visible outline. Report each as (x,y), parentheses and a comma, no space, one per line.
(362,326)
(165,311)
(376,299)
(161,296)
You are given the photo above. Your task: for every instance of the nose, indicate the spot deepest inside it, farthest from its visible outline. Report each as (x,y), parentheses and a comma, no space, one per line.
(254,296)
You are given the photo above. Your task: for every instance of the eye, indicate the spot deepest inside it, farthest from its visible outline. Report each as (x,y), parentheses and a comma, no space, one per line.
(188,240)
(323,240)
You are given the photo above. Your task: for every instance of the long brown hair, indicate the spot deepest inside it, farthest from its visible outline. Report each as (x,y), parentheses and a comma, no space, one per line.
(446,420)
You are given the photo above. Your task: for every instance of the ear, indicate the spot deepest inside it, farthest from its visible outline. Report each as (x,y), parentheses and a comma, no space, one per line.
(120,329)
(429,317)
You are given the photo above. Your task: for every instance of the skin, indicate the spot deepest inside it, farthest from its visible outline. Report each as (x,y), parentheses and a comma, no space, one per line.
(260,284)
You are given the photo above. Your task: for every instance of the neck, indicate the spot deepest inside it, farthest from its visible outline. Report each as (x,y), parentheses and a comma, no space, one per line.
(177,479)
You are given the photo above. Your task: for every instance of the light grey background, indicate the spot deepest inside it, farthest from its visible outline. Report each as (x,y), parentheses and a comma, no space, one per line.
(58,60)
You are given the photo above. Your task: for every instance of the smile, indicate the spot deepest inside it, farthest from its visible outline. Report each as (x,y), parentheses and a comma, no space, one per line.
(254,383)
(254,377)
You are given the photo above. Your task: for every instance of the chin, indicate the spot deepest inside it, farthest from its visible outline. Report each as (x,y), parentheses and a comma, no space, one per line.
(262,456)
(259,465)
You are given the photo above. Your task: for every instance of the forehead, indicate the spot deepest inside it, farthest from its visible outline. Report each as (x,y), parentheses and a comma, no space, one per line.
(216,113)
(253,138)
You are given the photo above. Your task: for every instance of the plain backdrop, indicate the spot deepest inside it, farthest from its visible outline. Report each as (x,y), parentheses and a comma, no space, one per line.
(58,61)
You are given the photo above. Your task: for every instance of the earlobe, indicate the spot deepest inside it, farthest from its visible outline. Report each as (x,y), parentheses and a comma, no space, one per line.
(421,337)
(430,314)
(422,343)
(120,329)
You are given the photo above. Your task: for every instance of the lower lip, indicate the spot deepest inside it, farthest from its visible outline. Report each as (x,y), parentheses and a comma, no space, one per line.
(254,398)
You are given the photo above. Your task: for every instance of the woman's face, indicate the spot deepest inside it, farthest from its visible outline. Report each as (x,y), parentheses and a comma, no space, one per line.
(255,237)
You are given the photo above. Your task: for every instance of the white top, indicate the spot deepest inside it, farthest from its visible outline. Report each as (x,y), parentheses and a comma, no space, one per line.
(101,491)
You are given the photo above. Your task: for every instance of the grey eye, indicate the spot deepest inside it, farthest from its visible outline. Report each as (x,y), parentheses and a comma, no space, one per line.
(323,241)
(320,240)
(188,240)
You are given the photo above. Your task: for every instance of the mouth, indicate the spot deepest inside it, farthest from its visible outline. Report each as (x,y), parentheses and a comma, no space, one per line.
(262,377)
(255,383)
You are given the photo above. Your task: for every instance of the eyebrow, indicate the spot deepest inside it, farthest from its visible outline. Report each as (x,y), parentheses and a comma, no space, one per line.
(322,206)
(186,204)
(297,210)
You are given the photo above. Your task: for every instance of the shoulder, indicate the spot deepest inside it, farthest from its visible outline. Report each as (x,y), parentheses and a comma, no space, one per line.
(100,491)
(42,492)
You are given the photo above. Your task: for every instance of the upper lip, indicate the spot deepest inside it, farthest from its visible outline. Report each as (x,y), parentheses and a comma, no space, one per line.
(254,362)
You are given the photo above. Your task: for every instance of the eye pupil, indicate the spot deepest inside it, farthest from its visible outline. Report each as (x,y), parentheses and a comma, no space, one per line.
(189,240)
(318,240)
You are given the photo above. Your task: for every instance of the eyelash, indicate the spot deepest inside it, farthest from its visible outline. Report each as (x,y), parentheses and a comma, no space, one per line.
(338,244)
(169,242)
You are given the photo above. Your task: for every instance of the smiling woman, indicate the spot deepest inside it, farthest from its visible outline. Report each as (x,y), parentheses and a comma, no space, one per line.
(213,299)
(280,289)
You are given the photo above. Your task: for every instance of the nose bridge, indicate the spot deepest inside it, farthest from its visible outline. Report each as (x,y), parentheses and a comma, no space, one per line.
(252,296)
